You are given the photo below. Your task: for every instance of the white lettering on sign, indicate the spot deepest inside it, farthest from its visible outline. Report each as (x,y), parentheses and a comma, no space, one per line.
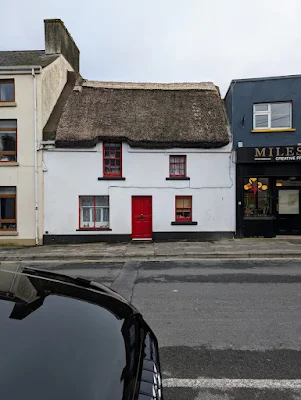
(291,158)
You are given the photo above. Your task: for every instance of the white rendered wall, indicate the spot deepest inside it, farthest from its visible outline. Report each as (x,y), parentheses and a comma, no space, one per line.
(54,78)
(21,175)
(71,174)
(51,84)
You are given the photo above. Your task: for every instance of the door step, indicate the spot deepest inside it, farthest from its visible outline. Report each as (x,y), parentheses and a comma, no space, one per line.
(142,240)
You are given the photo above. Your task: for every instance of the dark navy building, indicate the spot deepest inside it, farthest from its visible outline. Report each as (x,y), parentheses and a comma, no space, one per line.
(265,117)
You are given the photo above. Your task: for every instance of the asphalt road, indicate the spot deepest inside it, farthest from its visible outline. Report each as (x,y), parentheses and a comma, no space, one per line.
(228,330)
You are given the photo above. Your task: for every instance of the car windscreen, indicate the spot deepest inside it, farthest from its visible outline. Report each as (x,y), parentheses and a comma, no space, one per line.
(65,349)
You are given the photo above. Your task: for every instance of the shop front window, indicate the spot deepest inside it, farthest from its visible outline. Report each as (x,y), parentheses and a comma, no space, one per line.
(257,201)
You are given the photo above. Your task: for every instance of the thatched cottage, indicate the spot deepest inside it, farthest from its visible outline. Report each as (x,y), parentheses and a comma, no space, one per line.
(138,161)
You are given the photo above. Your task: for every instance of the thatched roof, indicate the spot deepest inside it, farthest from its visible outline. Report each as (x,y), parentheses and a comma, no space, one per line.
(144,115)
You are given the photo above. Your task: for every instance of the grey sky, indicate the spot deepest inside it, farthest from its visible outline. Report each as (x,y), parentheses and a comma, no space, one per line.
(166,40)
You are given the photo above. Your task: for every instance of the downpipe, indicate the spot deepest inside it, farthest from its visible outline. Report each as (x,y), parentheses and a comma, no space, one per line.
(36,194)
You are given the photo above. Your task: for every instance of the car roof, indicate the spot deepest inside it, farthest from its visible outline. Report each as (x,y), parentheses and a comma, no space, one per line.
(65,337)
(22,282)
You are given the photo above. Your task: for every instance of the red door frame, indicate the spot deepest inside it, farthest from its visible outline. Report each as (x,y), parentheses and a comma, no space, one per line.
(151,217)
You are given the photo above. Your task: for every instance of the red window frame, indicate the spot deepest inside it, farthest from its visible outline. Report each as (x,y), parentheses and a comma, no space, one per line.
(112,158)
(174,163)
(183,218)
(92,228)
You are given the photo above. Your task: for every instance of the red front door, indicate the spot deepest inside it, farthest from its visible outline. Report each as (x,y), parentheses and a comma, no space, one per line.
(142,217)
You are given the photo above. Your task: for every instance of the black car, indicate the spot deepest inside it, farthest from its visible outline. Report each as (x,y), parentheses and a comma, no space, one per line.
(64,338)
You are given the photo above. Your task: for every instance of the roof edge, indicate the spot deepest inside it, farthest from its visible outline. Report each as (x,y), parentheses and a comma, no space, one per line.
(150,85)
(19,69)
(264,78)
(142,144)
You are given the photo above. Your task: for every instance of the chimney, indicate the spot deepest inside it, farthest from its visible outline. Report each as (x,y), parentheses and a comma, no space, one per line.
(59,41)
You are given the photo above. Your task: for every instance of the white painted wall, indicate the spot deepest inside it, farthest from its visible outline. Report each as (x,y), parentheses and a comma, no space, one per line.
(71,174)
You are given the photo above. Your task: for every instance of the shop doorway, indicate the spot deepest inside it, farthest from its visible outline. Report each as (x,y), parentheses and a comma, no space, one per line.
(288,215)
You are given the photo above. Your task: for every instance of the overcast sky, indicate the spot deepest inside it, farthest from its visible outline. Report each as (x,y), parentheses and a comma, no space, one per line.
(166,40)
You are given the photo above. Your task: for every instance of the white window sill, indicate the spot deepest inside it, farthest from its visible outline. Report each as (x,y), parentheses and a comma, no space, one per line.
(8,233)
(9,164)
(8,104)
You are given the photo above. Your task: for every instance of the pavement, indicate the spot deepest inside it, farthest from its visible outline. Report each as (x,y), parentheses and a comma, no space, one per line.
(228,329)
(156,251)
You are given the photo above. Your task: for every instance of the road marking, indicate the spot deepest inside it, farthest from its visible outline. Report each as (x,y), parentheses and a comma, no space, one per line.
(206,383)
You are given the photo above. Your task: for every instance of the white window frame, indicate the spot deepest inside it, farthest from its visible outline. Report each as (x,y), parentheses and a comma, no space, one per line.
(269,114)
(102,223)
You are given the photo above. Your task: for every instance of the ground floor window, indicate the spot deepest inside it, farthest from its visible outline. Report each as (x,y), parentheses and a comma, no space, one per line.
(94,212)
(183,208)
(257,197)
(8,221)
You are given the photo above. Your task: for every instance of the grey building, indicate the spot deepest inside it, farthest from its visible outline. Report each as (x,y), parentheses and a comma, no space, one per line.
(265,117)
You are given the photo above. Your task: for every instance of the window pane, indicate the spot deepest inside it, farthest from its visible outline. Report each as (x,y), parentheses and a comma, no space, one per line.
(7,141)
(98,215)
(177,169)
(105,214)
(7,208)
(8,123)
(112,158)
(102,201)
(256,197)
(288,201)
(179,203)
(186,213)
(87,212)
(261,121)
(109,146)
(261,107)
(281,115)
(6,91)
(7,190)
(8,225)
(177,165)
(187,203)
(87,201)
(102,217)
